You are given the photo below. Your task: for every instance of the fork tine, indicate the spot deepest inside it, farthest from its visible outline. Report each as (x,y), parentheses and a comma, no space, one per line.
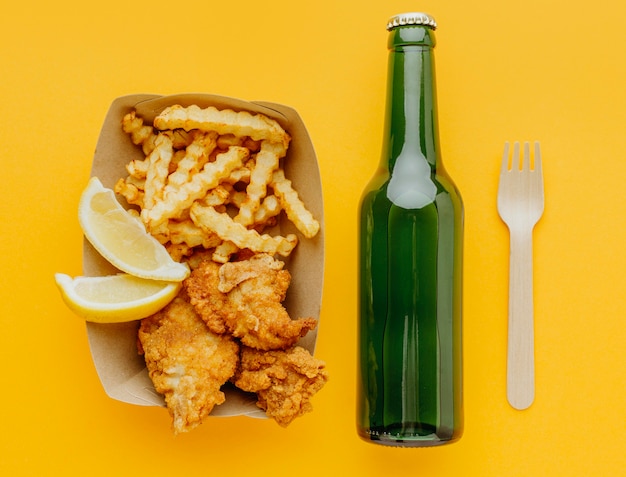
(515,165)
(526,160)
(538,159)
(505,159)
(538,175)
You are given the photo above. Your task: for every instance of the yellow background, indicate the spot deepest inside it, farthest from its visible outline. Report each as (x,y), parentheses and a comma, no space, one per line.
(546,70)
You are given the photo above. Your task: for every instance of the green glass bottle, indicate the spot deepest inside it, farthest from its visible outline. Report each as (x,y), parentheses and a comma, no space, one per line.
(410,263)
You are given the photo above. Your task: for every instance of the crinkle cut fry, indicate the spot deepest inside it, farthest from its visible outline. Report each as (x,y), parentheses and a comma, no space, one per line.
(270,207)
(267,161)
(141,135)
(156,176)
(185,231)
(223,225)
(200,149)
(224,251)
(180,199)
(242,123)
(293,206)
(131,190)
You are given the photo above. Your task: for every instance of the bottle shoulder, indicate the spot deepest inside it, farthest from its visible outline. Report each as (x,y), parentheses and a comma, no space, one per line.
(379,183)
(376,198)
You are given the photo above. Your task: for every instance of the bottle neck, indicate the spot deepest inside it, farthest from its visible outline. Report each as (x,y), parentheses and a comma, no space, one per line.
(411,115)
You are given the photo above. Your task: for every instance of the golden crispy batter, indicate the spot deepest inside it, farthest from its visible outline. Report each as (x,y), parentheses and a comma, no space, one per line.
(211,305)
(244,298)
(187,363)
(284,381)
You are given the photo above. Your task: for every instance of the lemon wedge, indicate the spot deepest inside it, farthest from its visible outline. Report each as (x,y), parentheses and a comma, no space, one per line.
(122,239)
(115,298)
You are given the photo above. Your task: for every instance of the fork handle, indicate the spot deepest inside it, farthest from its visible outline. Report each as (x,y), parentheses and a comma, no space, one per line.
(521,343)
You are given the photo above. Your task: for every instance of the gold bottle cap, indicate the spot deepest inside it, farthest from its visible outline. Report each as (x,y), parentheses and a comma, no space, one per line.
(413,18)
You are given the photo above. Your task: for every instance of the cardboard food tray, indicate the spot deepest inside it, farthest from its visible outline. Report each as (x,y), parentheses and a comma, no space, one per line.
(121,369)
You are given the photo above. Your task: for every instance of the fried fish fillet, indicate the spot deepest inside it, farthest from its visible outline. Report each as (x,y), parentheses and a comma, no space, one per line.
(284,381)
(244,298)
(187,362)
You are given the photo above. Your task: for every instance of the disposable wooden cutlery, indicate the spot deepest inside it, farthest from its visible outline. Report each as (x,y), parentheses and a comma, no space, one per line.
(520,205)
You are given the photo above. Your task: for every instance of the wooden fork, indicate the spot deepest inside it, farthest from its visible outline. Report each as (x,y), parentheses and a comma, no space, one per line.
(520,205)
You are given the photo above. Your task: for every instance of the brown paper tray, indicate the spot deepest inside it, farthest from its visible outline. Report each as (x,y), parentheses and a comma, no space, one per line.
(121,370)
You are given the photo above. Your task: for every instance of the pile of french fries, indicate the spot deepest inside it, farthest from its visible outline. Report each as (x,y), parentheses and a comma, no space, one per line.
(213,179)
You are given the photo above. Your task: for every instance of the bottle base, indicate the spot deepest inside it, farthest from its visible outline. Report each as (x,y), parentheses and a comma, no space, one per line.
(387,439)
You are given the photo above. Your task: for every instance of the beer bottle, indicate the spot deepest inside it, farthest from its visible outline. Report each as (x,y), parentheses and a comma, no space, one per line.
(410,262)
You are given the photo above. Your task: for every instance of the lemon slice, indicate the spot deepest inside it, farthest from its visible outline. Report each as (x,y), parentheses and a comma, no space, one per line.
(122,239)
(115,298)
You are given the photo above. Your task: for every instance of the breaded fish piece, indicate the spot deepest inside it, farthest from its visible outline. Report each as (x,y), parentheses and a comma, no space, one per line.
(210,304)
(284,381)
(244,298)
(187,362)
